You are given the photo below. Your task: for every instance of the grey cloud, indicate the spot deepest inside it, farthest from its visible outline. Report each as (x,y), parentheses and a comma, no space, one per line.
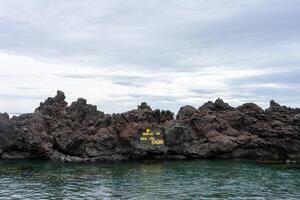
(77,76)
(153,97)
(203,91)
(160,36)
(24,88)
(128,83)
(20,97)
(125,80)
(153,34)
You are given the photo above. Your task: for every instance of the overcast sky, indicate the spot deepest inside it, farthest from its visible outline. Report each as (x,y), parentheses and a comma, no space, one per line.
(168,53)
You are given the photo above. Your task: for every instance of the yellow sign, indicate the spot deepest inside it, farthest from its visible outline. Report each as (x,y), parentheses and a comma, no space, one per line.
(158,141)
(153,138)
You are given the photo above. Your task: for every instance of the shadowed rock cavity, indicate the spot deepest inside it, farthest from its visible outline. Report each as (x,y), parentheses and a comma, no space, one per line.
(79,132)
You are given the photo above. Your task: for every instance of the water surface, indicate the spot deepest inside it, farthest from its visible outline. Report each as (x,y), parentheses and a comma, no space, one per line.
(148,180)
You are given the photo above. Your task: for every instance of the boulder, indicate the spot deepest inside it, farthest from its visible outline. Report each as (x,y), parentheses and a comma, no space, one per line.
(186,112)
(250,108)
(9,133)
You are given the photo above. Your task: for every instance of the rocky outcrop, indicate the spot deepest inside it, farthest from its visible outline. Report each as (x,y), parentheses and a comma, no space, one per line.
(80,132)
(4,116)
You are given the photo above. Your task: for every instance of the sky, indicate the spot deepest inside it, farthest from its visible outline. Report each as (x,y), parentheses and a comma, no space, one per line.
(169,53)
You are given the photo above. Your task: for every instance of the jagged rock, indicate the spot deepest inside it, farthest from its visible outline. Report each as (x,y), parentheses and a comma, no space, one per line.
(9,133)
(275,107)
(53,106)
(166,116)
(218,105)
(144,106)
(146,114)
(209,105)
(185,112)
(84,113)
(80,132)
(250,108)
(4,116)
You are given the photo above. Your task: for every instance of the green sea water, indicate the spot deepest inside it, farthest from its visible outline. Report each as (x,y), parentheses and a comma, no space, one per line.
(211,179)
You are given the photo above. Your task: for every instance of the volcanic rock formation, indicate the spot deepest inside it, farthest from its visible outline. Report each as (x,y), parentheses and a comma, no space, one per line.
(80,132)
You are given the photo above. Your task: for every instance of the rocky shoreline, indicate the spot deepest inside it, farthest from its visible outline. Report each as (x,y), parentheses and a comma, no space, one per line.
(80,132)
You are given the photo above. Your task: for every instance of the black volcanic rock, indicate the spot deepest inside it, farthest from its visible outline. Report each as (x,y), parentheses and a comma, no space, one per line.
(185,112)
(250,108)
(4,116)
(80,132)
(9,133)
(275,107)
(144,106)
(218,105)
(53,106)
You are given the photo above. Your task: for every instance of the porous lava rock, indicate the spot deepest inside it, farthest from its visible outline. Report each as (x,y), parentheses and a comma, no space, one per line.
(79,132)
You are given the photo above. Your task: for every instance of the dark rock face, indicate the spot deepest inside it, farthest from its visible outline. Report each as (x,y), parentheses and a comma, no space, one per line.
(80,132)
(4,116)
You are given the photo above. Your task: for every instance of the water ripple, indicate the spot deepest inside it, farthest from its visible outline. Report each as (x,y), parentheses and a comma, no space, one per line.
(147,180)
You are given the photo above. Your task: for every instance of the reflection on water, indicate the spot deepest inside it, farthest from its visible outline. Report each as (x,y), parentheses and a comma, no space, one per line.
(148,180)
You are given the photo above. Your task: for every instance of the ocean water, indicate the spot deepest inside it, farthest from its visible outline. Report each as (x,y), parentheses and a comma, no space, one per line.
(212,179)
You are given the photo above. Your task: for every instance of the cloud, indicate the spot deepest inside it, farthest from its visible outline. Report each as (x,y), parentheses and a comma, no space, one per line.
(169,53)
(134,33)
